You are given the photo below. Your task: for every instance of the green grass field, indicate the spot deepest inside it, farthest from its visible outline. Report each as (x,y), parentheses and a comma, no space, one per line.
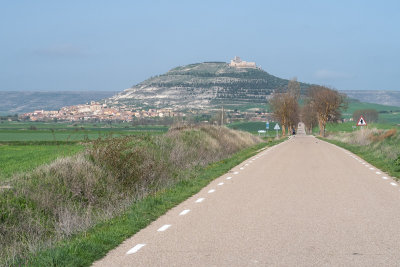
(22,148)
(253,127)
(21,158)
(41,131)
(387,114)
(62,135)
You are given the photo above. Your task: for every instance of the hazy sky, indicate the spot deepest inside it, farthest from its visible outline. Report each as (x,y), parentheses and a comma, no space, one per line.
(112,45)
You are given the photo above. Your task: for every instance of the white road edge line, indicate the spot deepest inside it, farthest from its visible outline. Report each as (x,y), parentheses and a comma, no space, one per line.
(241,168)
(163,228)
(221,183)
(211,191)
(378,173)
(384,178)
(236,173)
(228,178)
(135,249)
(394,184)
(184,212)
(199,200)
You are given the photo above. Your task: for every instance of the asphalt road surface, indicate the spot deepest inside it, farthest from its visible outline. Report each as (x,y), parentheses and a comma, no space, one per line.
(303,202)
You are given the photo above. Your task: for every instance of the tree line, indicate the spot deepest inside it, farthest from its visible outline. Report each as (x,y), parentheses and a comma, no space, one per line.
(321,105)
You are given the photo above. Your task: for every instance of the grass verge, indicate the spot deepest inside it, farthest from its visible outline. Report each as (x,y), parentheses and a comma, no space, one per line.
(85,248)
(372,155)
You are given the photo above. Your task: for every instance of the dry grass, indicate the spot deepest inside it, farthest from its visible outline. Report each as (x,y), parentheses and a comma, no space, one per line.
(384,144)
(72,194)
(364,136)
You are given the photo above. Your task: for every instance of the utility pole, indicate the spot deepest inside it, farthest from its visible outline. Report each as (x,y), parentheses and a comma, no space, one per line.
(222,116)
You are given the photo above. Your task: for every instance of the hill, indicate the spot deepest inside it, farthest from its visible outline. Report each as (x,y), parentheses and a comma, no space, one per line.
(390,98)
(203,85)
(27,101)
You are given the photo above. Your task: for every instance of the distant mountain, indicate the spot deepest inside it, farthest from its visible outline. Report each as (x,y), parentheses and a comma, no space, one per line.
(390,98)
(24,101)
(203,85)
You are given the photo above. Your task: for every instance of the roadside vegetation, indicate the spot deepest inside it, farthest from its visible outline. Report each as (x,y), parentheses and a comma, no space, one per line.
(43,208)
(380,147)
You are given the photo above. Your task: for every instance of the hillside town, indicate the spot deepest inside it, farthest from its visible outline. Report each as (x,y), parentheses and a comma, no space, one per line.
(95,111)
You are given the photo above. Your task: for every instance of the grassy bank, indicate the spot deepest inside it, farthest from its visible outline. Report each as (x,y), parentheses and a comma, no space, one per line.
(118,186)
(377,146)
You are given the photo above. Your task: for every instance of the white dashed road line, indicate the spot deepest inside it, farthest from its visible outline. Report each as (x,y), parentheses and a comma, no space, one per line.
(228,178)
(378,173)
(163,228)
(135,248)
(184,212)
(384,178)
(236,173)
(220,183)
(394,184)
(199,200)
(211,191)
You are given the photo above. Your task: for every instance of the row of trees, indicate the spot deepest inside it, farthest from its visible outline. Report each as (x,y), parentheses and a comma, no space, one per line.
(321,105)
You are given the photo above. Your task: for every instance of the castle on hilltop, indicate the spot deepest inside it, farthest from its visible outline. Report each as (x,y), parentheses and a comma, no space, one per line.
(238,63)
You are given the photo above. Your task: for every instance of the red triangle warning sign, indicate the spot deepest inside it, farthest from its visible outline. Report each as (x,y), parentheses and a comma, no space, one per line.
(361,122)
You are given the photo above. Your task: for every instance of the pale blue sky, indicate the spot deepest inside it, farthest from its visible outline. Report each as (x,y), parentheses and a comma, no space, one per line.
(112,45)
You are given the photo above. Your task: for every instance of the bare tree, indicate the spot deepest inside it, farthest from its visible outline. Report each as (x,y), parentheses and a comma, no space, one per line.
(327,104)
(309,117)
(294,88)
(286,109)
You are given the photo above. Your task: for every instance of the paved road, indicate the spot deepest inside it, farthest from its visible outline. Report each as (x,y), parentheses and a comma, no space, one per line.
(301,203)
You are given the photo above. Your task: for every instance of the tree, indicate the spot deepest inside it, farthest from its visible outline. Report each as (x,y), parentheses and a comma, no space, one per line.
(369,115)
(285,109)
(327,104)
(309,116)
(294,88)
(220,118)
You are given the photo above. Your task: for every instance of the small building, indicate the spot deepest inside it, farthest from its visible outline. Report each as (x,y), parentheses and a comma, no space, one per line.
(239,63)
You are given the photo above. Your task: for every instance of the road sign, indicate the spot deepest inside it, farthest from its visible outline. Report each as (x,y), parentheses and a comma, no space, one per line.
(277,127)
(262,131)
(267,125)
(361,122)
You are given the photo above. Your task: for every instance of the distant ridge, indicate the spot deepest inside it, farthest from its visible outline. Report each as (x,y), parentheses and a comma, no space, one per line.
(27,101)
(203,85)
(390,98)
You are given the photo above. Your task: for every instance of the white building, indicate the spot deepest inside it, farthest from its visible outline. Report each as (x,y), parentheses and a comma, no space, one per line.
(238,63)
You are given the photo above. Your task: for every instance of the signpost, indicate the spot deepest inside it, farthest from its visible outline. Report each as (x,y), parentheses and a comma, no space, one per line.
(361,122)
(267,126)
(277,128)
(261,132)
